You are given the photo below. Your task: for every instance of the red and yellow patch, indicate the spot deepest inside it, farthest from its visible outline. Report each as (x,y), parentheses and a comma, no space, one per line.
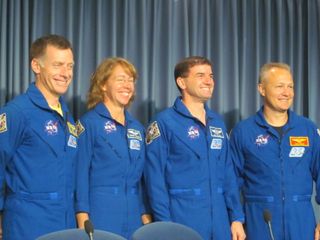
(299,141)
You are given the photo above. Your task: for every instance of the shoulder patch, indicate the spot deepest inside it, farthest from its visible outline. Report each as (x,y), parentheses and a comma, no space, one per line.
(153,132)
(80,128)
(3,123)
(72,129)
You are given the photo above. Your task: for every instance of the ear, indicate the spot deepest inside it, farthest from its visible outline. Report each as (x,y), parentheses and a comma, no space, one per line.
(103,88)
(181,83)
(261,89)
(35,66)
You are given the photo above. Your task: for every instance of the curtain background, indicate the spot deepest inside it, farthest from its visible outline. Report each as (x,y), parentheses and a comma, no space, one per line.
(237,35)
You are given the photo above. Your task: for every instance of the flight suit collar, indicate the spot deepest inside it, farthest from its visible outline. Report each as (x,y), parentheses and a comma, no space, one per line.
(38,99)
(182,109)
(181,129)
(261,121)
(102,110)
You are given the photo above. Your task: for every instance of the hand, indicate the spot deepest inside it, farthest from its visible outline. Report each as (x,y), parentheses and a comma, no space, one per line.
(317,232)
(81,218)
(146,218)
(237,231)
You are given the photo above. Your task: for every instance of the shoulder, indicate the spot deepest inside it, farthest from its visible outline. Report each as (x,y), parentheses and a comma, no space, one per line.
(17,106)
(244,126)
(301,122)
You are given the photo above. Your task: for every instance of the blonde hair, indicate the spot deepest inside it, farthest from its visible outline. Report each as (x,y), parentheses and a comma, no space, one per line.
(101,76)
(268,66)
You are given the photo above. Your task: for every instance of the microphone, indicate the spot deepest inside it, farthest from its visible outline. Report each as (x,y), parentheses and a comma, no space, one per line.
(267,218)
(89,228)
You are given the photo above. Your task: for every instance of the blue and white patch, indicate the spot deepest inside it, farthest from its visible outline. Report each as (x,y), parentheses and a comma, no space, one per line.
(216,143)
(133,133)
(193,132)
(134,144)
(318,130)
(51,127)
(110,126)
(297,152)
(262,140)
(216,132)
(72,142)
(3,123)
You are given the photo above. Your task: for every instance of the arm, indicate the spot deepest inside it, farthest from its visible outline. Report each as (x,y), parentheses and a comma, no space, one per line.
(315,174)
(81,218)
(237,231)
(317,232)
(232,193)
(11,135)
(236,164)
(156,157)
(84,154)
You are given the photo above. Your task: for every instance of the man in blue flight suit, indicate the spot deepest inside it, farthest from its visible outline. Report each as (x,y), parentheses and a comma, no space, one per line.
(277,158)
(38,142)
(189,173)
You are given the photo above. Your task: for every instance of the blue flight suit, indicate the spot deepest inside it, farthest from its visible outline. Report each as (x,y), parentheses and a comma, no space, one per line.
(276,173)
(37,157)
(189,173)
(109,171)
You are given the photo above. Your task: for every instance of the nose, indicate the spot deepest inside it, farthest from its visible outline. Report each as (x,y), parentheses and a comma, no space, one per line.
(208,80)
(287,91)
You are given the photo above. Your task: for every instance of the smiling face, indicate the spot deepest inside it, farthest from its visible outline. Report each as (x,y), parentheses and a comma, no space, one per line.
(198,85)
(119,88)
(54,71)
(277,88)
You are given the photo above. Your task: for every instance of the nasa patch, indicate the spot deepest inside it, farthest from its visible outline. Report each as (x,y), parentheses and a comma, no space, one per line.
(193,132)
(110,126)
(262,140)
(51,127)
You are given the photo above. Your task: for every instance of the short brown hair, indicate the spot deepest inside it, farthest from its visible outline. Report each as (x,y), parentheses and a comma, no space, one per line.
(102,74)
(182,68)
(38,47)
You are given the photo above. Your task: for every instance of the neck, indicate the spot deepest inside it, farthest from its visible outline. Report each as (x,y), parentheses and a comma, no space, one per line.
(117,112)
(275,119)
(196,109)
(52,100)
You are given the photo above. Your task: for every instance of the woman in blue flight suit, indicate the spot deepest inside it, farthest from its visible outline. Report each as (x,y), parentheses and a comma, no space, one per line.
(111,153)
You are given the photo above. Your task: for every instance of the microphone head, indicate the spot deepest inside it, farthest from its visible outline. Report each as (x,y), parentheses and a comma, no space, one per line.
(88,227)
(267,216)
